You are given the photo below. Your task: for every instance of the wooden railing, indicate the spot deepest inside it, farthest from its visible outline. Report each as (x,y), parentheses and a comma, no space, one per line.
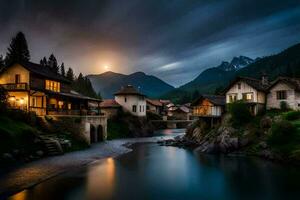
(15,86)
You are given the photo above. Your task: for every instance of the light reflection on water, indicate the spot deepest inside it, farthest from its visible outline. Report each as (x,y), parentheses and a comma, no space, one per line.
(158,172)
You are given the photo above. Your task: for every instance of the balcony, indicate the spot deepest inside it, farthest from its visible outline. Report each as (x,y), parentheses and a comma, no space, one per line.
(15,86)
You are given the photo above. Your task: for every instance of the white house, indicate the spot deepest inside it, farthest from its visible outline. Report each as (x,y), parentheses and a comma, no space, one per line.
(131,100)
(284,89)
(250,90)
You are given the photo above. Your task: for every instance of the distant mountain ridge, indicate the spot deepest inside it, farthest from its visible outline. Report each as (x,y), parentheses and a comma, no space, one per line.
(110,82)
(285,63)
(236,63)
(210,78)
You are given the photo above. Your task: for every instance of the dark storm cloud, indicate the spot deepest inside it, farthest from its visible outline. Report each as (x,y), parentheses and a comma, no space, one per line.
(173,39)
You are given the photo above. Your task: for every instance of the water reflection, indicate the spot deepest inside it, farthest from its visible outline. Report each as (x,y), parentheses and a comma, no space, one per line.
(158,172)
(101,180)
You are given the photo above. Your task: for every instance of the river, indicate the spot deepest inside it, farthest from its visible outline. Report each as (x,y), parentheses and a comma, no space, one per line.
(151,171)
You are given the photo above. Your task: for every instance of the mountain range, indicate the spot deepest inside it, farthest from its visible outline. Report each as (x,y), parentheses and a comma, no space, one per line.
(110,82)
(213,80)
(210,81)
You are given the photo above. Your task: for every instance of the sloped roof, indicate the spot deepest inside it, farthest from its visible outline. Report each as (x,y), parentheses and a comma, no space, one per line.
(255,83)
(41,70)
(73,94)
(179,108)
(109,103)
(154,102)
(293,82)
(128,90)
(214,99)
(165,101)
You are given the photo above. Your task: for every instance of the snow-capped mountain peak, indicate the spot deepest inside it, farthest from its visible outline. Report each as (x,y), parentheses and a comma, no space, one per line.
(236,63)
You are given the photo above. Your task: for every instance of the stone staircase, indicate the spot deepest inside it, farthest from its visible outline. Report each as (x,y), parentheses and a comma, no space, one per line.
(49,138)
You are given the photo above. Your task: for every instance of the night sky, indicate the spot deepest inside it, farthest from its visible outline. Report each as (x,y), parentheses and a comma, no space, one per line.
(172,39)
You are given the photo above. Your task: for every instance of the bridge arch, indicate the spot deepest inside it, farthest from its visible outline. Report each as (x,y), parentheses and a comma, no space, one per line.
(93,134)
(100,133)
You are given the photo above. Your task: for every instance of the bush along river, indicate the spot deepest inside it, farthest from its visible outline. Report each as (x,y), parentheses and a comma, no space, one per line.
(152,171)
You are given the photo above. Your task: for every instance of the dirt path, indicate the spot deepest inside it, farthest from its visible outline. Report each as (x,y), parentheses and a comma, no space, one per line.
(38,171)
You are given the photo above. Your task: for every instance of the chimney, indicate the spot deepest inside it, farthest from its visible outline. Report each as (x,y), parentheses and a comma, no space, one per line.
(264,79)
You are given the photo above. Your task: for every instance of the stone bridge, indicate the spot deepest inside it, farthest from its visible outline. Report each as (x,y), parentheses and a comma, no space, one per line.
(172,124)
(95,128)
(92,127)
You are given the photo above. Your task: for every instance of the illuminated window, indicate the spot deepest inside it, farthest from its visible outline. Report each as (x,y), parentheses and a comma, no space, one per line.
(60,104)
(247,96)
(232,98)
(69,106)
(52,85)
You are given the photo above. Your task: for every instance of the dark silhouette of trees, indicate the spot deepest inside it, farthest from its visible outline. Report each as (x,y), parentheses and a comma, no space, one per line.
(17,50)
(2,63)
(44,62)
(52,63)
(84,86)
(70,74)
(62,69)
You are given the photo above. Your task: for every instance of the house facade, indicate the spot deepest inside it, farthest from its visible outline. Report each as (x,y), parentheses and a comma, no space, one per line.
(32,87)
(155,106)
(284,89)
(251,91)
(209,106)
(131,100)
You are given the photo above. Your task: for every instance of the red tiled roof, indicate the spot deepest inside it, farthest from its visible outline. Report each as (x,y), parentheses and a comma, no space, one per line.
(154,102)
(109,103)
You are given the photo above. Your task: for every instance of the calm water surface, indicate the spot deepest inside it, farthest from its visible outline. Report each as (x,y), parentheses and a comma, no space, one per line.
(151,171)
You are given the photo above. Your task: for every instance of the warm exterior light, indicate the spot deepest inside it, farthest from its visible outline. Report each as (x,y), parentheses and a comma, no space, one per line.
(21,101)
(12,99)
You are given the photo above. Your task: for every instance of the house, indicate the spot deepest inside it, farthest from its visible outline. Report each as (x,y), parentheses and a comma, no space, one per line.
(284,89)
(179,113)
(155,106)
(131,100)
(209,106)
(32,87)
(251,91)
(110,108)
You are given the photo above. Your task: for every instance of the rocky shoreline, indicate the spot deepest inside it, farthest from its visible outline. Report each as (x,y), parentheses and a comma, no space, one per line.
(225,139)
(33,173)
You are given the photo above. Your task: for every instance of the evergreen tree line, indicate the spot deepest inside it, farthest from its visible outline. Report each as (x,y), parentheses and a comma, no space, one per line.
(18,51)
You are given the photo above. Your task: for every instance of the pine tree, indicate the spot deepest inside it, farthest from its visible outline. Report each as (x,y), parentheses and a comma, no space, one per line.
(44,62)
(62,69)
(2,64)
(52,63)
(70,74)
(17,50)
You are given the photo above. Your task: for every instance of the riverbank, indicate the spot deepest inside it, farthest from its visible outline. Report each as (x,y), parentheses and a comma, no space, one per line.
(274,135)
(36,172)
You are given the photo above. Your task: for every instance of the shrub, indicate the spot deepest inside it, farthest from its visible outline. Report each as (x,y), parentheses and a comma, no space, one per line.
(292,115)
(284,106)
(240,113)
(282,133)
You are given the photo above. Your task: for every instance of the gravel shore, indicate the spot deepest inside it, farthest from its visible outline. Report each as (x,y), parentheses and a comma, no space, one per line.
(36,172)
